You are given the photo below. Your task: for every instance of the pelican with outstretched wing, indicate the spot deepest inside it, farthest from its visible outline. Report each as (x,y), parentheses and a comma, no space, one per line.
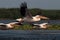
(9,25)
(27,17)
(42,25)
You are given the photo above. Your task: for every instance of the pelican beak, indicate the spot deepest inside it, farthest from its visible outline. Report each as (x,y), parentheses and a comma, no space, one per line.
(47,18)
(42,17)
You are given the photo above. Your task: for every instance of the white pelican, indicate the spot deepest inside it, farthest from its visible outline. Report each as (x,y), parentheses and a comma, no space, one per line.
(27,17)
(9,25)
(32,19)
(42,25)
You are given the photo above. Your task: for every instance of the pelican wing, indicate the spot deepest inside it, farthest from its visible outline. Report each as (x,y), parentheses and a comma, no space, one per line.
(23,9)
(2,24)
(28,14)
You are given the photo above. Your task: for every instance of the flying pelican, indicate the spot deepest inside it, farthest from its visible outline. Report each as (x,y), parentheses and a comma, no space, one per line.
(42,25)
(9,25)
(27,17)
(32,19)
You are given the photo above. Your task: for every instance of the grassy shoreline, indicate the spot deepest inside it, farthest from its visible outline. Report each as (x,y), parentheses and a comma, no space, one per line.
(29,27)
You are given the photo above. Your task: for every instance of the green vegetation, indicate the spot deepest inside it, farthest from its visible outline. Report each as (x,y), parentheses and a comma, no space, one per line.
(13,13)
(23,27)
(29,27)
(9,13)
(54,27)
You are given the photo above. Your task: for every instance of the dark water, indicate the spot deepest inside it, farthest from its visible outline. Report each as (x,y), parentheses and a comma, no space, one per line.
(42,21)
(30,34)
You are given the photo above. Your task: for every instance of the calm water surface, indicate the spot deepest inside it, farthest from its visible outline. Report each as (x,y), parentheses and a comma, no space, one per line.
(30,34)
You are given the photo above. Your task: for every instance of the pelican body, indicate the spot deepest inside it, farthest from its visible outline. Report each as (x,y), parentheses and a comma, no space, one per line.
(42,25)
(33,19)
(9,25)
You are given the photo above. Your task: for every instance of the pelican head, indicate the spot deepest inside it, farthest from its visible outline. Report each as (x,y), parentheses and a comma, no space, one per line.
(36,18)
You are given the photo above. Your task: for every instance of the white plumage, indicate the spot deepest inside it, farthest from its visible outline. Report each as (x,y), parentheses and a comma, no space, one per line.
(9,25)
(42,25)
(33,19)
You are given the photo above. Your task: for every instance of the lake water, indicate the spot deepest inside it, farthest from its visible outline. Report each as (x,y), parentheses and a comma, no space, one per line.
(42,21)
(30,34)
